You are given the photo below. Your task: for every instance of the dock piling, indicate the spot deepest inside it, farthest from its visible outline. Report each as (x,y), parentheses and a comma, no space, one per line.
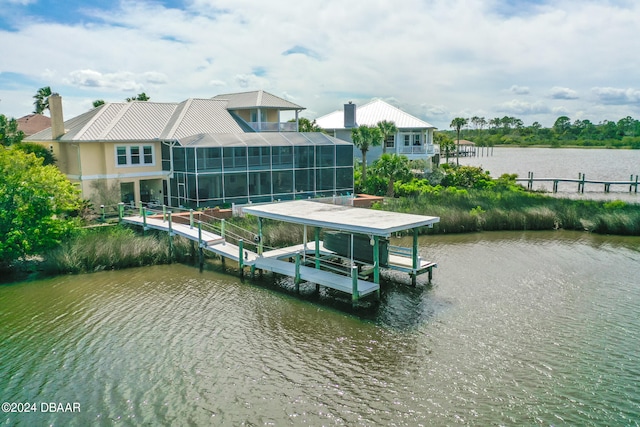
(241,255)
(581,179)
(144,220)
(317,240)
(200,247)
(170,237)
(296,279)
(354,284)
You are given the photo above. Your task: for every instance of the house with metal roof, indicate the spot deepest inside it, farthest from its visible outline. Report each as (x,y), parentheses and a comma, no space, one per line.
(413,139)
(232,148)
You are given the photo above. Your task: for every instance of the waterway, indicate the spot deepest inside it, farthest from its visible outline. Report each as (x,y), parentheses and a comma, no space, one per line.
(531,328)
(596,164)
(518,328)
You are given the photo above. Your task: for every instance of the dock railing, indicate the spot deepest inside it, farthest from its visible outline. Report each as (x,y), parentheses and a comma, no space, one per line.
(633,182)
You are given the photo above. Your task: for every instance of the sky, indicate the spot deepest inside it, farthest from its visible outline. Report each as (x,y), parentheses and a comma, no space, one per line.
(435,59)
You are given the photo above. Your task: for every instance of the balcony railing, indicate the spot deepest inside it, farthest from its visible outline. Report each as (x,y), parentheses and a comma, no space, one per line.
(273,126)
(418,149)
(414,149)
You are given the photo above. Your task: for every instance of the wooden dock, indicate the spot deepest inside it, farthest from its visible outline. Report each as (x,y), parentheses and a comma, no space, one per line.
(632,183)
(306,262)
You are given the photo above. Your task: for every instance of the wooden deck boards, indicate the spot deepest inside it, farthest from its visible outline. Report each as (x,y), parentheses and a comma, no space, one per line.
(269,261)
(313,275)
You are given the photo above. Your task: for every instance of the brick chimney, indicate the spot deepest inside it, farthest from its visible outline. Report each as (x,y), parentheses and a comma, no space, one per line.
(349,115)
(57,121)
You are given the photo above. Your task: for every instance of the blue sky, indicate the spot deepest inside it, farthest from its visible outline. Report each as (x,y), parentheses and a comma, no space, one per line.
(436,59)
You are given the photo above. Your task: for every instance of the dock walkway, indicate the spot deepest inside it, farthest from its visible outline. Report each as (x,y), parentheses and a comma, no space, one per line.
(357,274)
(269,261)
(581,181)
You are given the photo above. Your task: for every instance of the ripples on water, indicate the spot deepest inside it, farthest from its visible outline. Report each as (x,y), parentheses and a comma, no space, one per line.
(516,329)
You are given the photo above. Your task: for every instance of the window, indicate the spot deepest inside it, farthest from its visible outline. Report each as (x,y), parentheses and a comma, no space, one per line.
(390,142)
(416,139)
(134,155)
(148,154)
(121,155)
(407,140)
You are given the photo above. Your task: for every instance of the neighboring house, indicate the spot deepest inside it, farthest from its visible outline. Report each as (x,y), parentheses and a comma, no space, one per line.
(414,138)
(199,152)
(33,123)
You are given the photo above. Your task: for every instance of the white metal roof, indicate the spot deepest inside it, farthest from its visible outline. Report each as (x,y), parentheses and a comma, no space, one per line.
(371,113)
(341,218)
(255,99)
(148,120)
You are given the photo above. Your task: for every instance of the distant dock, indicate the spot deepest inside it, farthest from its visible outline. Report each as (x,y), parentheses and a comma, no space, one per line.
(632,183)
(343,263)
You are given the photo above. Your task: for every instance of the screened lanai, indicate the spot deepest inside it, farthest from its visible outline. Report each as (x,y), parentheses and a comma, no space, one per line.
(220,169)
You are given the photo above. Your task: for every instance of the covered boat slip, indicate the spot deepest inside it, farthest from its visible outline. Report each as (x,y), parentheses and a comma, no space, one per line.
(357,225)
(345,268)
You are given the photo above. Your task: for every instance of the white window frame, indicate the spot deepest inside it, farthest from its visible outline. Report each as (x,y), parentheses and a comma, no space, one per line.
(390,141)
(141,155)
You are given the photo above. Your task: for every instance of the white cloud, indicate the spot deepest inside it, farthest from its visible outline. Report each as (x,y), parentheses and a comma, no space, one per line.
(563,93)
(217,83)
(520,90)
(518,107)
(439,58)
(121,81)
(610,95)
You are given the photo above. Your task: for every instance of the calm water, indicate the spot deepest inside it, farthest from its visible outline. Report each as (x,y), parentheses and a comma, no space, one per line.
(515,329)
(596,164)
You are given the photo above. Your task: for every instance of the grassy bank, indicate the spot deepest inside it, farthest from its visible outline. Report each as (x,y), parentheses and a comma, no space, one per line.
(492,210)
(116,247)
(460,210)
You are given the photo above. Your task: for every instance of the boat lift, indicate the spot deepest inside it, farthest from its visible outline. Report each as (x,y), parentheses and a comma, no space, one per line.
(352,225)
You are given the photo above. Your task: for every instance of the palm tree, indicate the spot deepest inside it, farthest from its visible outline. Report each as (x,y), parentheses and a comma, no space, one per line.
(394,168)
(387,129)
(458,123)
(41,102)
(446,144)
(98,102)
(365,137)
(306,125)
(140,97)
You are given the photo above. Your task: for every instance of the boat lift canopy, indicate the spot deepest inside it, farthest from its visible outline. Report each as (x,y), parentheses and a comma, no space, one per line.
(342,218)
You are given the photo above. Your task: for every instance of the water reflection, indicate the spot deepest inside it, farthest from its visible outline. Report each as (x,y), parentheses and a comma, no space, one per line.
(515,329)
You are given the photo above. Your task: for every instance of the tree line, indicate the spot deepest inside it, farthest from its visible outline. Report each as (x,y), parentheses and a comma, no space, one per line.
(564,132)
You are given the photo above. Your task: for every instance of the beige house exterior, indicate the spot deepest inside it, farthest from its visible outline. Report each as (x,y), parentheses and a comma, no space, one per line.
(232,148)
(91,162)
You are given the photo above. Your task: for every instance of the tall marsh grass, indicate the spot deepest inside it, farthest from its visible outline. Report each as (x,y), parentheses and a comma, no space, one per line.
(493,210)
(275,233)
(114,247)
